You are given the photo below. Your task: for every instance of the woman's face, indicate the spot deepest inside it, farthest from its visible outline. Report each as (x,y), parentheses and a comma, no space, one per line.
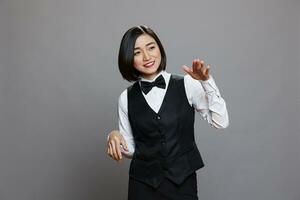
(147,56)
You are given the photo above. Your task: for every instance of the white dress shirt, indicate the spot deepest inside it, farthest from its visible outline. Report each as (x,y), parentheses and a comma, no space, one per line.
(204,96)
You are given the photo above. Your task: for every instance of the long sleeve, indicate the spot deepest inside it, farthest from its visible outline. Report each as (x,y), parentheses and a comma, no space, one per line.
(205,97)
(124,125)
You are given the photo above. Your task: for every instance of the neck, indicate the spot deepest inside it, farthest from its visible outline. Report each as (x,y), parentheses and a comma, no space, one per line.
(150,77)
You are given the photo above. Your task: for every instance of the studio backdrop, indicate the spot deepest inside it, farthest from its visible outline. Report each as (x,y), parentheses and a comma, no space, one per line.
(60,84)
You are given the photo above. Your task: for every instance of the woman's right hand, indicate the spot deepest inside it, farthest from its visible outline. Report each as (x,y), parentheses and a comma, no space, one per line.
(114,143)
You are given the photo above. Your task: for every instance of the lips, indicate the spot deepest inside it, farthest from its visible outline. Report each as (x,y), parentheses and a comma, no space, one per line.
(149,64)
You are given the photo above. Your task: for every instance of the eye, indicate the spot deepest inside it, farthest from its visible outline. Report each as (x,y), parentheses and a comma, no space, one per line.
(152,47)
(136,53)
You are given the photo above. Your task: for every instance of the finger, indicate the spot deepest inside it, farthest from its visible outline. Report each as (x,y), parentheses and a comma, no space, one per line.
(118,149)
(110,150)
(114,152)
(199,65)
(203,69)
(195,65)
(124,144)
(202,63)
(207,70)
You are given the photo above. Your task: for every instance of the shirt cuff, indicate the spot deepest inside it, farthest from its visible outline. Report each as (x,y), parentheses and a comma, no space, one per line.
(208,84)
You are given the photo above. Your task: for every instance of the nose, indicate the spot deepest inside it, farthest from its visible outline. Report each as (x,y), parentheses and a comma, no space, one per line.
(146,55)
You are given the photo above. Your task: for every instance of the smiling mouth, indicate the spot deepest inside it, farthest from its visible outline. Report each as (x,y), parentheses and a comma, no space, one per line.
(150,64)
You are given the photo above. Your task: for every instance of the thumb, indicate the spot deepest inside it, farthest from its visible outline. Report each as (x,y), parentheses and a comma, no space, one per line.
(187,69)
(123,142)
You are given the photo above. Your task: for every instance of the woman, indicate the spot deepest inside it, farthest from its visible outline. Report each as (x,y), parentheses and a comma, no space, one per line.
(156,119)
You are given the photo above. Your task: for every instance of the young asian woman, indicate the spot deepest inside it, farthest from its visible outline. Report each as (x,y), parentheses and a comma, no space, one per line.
(156,119)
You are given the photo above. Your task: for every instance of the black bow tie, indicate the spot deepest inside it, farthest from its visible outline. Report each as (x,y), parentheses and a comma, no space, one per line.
(147,86)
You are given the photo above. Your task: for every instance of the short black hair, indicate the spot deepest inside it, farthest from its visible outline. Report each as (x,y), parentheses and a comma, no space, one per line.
(126,52)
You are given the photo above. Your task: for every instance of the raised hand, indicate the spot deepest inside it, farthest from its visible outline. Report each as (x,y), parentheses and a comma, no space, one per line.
(114,143)
(198,71)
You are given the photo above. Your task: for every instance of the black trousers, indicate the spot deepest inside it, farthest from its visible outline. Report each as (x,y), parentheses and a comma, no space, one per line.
(166,191)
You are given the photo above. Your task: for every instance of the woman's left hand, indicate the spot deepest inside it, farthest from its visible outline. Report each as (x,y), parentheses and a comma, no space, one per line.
(198,71)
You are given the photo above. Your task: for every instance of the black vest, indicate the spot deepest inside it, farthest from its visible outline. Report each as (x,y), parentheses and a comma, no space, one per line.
(164,141)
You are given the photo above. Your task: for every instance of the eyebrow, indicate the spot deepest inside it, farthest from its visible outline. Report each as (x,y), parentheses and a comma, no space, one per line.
(146,45)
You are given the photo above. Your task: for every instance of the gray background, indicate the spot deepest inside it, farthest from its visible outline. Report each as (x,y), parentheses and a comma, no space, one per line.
(59,86)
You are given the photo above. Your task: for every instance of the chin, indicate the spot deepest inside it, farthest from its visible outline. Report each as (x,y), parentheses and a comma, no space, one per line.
(152,72)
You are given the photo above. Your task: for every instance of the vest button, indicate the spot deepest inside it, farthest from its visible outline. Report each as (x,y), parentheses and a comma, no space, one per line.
(158,117)
(163,143)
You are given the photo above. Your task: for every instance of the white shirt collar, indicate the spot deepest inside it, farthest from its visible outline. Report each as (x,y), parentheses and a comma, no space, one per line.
(163,73)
